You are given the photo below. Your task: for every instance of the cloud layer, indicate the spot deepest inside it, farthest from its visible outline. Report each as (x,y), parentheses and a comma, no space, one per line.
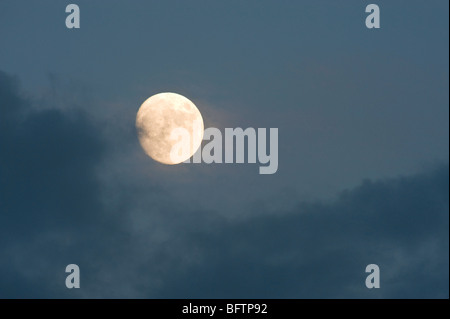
(136,240)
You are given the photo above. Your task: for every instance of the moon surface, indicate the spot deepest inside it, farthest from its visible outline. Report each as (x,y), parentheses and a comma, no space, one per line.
(157,120)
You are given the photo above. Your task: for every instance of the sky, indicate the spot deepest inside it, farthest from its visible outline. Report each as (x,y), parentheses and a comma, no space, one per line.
(363,150)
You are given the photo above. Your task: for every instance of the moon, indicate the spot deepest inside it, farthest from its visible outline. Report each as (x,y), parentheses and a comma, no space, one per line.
(159,117)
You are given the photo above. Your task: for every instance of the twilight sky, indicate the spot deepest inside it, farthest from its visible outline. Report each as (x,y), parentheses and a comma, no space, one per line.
(363,174)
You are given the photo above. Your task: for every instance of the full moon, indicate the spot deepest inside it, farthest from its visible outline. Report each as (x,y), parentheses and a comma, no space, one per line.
(159,117)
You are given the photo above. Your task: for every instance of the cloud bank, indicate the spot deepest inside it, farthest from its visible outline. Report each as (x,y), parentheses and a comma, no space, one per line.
(142,243)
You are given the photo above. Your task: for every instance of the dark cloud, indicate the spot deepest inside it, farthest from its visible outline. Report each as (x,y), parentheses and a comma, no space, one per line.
(48,184)
(132,238)
(321,250)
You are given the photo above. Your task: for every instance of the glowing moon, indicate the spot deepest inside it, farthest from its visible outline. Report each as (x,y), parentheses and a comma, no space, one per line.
(159,117)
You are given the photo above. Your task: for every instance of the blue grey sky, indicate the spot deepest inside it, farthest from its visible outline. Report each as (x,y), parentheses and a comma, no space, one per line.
(363,150)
